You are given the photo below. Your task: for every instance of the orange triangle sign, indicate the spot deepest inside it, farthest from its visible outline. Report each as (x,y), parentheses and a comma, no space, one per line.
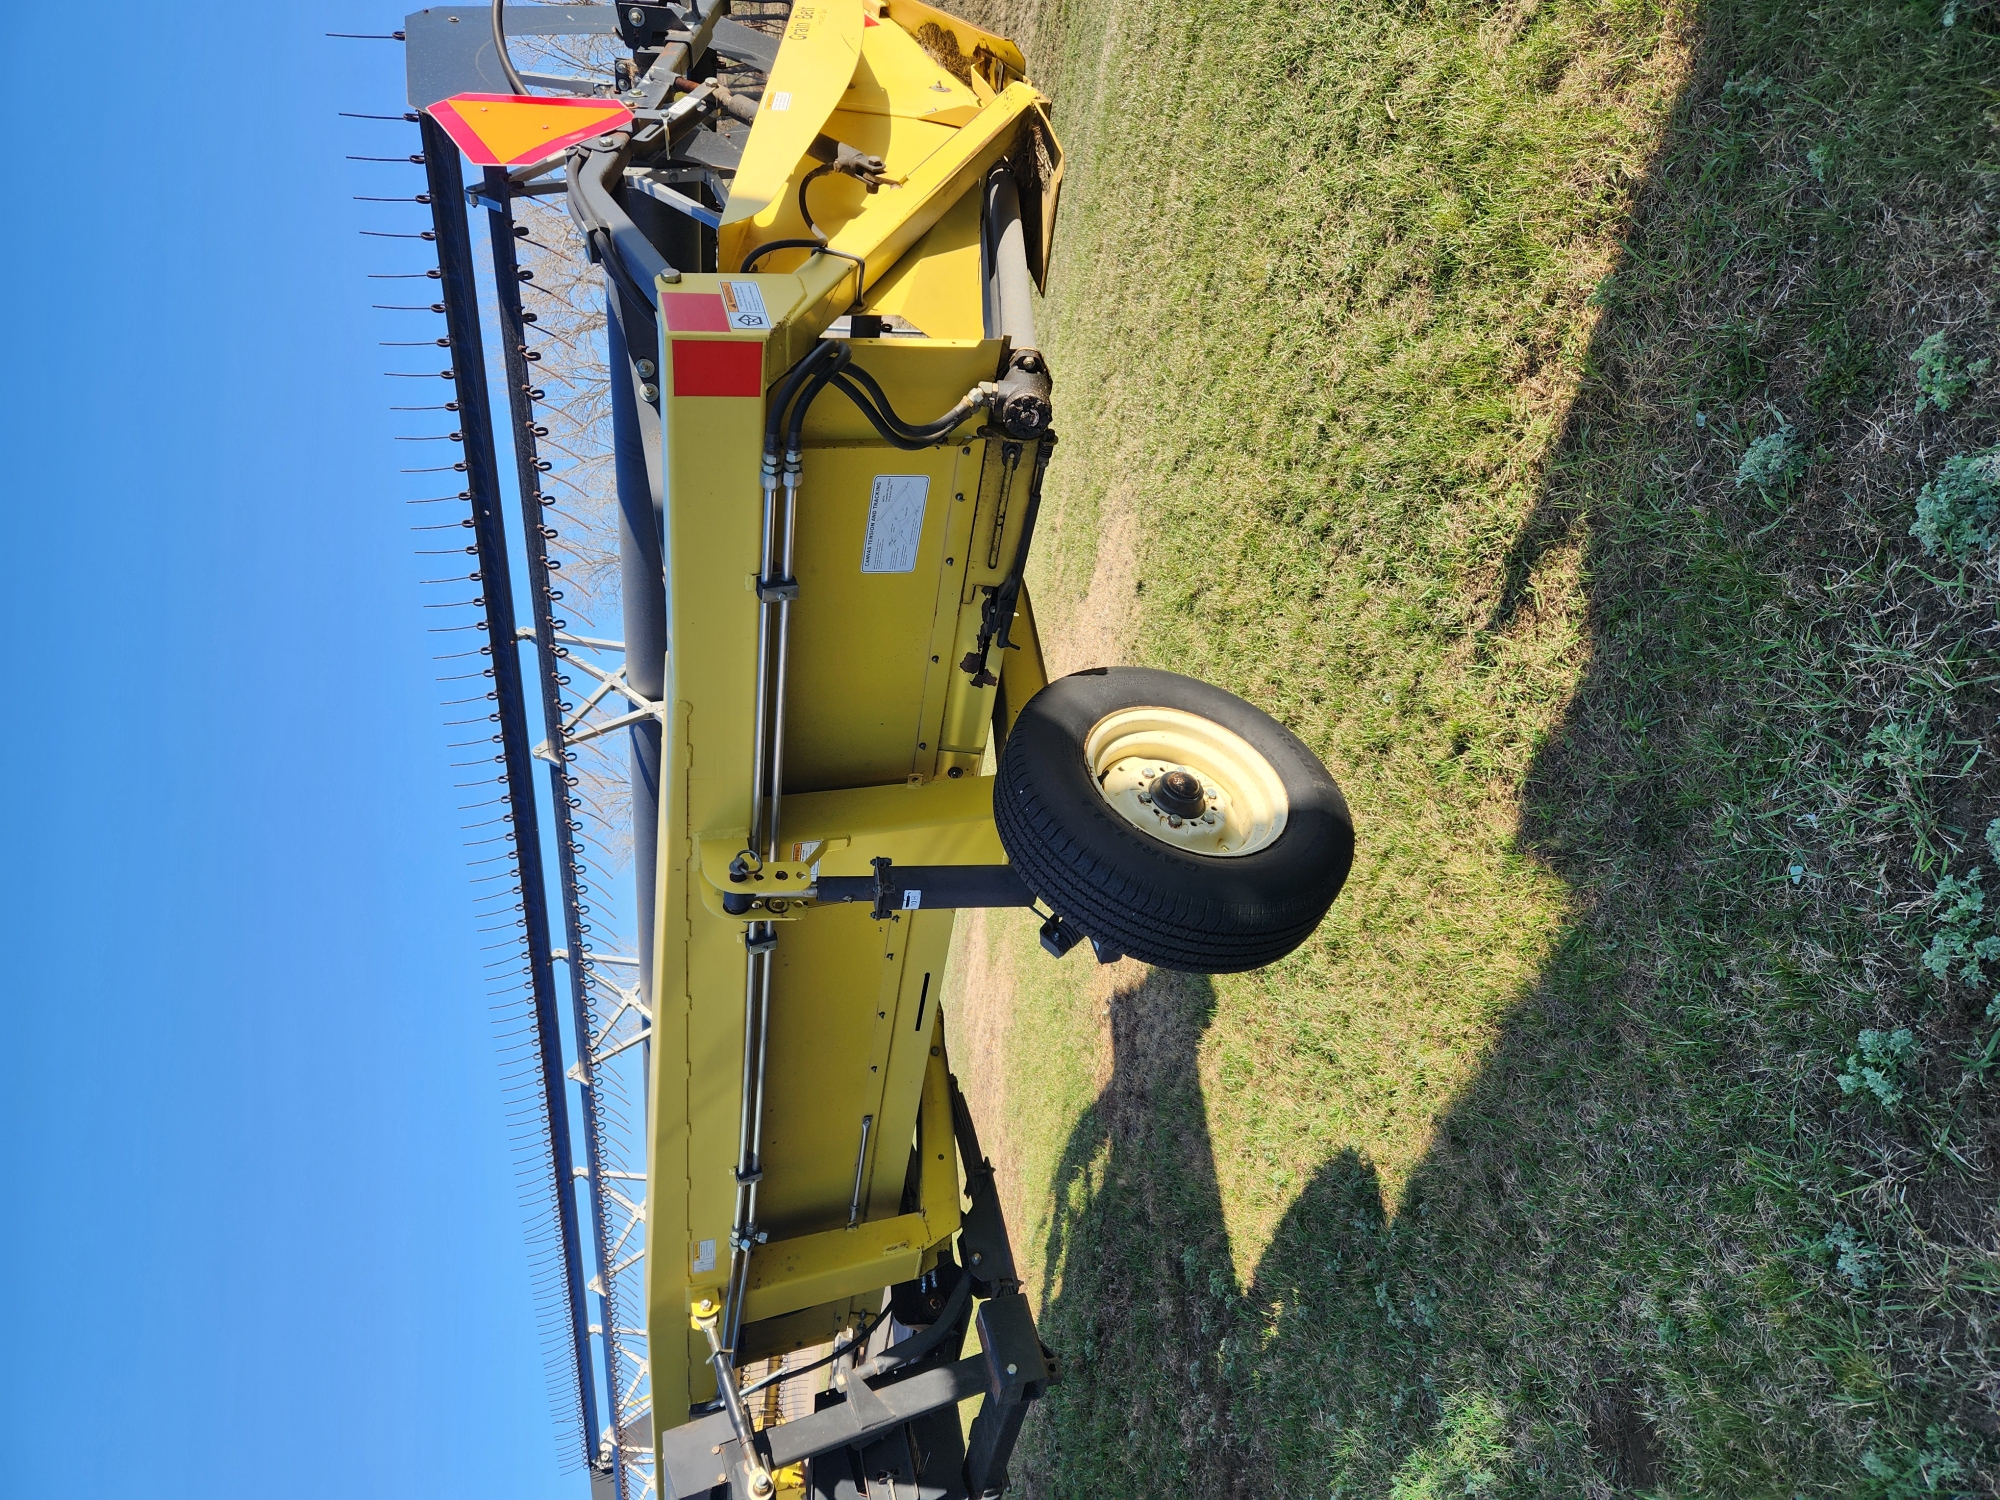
(508,130)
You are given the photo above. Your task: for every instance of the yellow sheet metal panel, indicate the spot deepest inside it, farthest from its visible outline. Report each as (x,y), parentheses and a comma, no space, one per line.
(817,57)
(884,727)
(813,1270)
(1023,673)
(935,823)
(891,223)
(936,287)
(879,539)
(896,76)
(906,1021)
(936,1138)
(817,1268)
(892,219)
(804,1329)
(959,45)
(832,972)
(895,102)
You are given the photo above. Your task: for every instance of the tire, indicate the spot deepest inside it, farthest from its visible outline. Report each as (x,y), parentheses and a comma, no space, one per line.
(1201,910)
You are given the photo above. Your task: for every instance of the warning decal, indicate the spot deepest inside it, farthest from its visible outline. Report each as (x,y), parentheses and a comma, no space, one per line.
(895,523)
(745,302)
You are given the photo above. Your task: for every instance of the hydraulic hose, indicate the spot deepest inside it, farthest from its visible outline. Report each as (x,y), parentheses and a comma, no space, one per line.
(932,431)
(500,46)
(918,1345)
(905,438)
(620,243)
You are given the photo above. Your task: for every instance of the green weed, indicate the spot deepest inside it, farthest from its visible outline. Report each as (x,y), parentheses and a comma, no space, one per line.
(1851,1258)
(1960,911)
(1878,1066)
(1942,377)
(1958,513)
(1773,463)
(1465,1455)
(1931,1470)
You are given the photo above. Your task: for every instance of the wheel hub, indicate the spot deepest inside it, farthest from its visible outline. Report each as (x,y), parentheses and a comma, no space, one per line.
(1178,793)
(1187,781)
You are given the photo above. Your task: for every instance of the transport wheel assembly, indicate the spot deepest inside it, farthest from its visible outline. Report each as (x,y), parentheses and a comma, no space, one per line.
(1171,821)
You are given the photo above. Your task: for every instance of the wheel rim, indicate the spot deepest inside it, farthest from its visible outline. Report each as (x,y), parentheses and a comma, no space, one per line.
(1187,760)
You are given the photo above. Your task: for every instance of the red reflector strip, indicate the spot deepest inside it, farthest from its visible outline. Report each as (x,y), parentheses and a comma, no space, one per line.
(718,367)
(696,312)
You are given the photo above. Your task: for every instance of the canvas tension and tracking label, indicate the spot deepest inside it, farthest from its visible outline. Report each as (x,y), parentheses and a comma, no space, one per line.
(895,523)
(744,302)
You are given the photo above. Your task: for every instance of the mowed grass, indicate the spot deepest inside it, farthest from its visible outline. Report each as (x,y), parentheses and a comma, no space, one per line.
(1412,350)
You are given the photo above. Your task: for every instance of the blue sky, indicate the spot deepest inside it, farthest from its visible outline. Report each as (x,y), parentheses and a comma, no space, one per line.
(262,1231)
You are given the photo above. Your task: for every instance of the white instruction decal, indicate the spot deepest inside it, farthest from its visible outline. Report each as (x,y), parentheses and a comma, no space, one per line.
(895,523)
(780,103)
(745,304)
(912,900)
(704,1256)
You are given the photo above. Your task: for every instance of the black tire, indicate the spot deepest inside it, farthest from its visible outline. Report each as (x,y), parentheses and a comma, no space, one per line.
(1136,894)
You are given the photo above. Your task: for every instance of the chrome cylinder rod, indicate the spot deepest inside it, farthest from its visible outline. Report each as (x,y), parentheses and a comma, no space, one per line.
(776,783)
(759,747)
(860,1168)
(760,938)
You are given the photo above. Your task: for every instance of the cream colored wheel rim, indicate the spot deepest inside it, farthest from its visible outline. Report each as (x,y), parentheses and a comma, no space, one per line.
(1244,799)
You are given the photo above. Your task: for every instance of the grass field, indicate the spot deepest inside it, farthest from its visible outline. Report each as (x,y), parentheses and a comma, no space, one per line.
(1518,400)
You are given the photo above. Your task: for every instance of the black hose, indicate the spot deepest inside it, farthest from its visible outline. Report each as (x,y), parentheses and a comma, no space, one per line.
(930,429)
(500,46)
(918,1345)
(817,383)
(805,212)
(892,436)
(819,1364)
(619,243)
(774,420)
(818,248)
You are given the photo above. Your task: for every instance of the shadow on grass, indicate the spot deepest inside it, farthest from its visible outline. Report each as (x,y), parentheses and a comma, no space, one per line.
(1612,1275)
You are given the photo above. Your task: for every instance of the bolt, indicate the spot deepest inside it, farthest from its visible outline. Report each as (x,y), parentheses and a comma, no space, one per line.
(647,367)
(649,393)
(977,1258)
(1013,1369)
(636,16)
